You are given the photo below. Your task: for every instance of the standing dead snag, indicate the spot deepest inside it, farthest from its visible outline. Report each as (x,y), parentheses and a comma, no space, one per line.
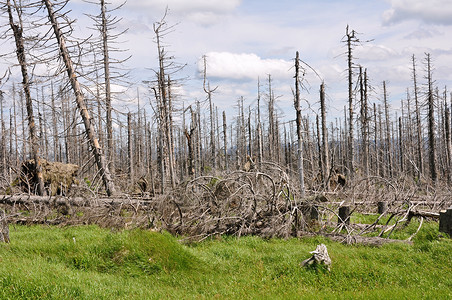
(298,120)
(20,52)
(431,123)
(79,98)
(319,256)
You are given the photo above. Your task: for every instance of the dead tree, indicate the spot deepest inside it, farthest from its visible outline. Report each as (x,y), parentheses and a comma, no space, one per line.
(431,122)
(17,29)
(299,125)
(325,156)
(388,130)
(209,91)
(364,120)
(420,144)
(351,39)
(164,101)
(79,98)
(259,126)
(106,24)
(225,141)
(447,130)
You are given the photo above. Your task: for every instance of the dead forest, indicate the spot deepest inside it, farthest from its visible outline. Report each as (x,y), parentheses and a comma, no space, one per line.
(68,156)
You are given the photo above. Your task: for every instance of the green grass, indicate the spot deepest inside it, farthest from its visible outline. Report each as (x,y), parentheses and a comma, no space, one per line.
(46,263)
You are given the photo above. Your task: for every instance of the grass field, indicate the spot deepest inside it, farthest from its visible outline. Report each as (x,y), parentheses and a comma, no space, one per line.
(88,262)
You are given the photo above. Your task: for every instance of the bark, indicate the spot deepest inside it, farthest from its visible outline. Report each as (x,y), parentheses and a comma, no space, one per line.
(79,98)
(431,124)
(350,39)
(448,138)
(129,146)
(299,125)
(325,155)
(108,107)
(225,141)
(21,57)
(388,130)
(420,156)
(259,126)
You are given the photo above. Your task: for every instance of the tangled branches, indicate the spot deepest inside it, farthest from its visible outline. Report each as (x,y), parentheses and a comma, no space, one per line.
(262,201)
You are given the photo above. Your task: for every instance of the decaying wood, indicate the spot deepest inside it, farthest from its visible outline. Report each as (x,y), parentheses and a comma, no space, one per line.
(363,240)
(319,257)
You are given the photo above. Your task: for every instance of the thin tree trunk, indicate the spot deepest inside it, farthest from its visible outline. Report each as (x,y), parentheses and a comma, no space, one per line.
(20,51)
(388,131)
(299,128)
(431,124)
(225,141)
(351,167)
(129,146)
(420,144)
(325,156)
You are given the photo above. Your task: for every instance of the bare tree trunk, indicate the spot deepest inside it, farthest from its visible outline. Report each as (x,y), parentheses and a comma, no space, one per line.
(420,144)
(79,98)
(351,167)
(20,51)
(431,123)
(259,126)
(225,141)
(108,107)
(448,139)
(325,156)
(129,146)
(388,130)
(208,91)
(299,125)
(364,120)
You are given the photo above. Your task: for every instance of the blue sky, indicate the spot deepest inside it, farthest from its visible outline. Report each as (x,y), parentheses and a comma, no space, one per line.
(247,39)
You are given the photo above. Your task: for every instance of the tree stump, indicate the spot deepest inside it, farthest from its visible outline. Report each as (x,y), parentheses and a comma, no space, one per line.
(4,229)
(314,214)
(344,215)
(382,207)
(319,256)
(445,221)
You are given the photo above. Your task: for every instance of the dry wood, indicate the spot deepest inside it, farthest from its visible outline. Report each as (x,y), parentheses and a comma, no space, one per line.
(319,257)
(79,98)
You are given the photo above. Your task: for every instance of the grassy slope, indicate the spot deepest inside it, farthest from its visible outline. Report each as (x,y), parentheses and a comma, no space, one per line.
(46,263)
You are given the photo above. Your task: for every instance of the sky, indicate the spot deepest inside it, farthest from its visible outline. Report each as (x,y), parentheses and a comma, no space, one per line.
(246,40)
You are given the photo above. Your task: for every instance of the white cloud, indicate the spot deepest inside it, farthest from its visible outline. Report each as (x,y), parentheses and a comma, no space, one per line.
(372,52)
(433,11)
(203,12)
(244,66)
(423,33)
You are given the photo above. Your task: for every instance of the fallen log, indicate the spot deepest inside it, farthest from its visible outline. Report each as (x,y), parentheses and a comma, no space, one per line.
(364,240)
(73,201)
(425,214)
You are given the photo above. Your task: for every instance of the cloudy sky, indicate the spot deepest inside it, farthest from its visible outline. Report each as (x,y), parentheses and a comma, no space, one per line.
(248,39)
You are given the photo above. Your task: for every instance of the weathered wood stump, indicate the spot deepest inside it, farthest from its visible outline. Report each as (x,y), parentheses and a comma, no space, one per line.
(445,221)
(382,207)
(344,215)
(4,229)
(319,257)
